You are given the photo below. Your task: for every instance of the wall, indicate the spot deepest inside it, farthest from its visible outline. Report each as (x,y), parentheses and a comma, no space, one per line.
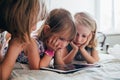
(74,5)
(91,6)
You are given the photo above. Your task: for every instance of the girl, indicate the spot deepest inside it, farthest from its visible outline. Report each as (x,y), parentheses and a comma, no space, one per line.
(19,18)
(83,47)
(57,31)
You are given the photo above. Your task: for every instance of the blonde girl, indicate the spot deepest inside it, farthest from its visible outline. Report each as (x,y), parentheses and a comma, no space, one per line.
(83,47)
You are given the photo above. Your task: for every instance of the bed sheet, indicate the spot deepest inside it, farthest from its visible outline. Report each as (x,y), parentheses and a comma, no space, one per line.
(109,70)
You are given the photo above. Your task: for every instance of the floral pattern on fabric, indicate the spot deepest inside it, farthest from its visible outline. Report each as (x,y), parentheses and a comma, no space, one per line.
(23,59)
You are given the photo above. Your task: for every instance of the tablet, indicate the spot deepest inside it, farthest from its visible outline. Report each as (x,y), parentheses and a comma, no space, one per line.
(69,68)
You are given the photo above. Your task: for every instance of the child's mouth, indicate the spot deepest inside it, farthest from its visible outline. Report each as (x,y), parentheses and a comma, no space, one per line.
(78,44)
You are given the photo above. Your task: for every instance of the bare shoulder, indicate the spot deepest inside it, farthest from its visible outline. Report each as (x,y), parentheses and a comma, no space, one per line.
(14,49)
(15,46)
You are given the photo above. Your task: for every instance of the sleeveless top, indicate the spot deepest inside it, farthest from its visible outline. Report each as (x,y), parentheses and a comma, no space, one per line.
(79,56)
(3,43)
(22,58)
(2,37)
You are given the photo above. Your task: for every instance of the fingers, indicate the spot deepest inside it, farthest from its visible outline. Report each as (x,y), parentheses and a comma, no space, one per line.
(53,43)
(54,40)
(73,45)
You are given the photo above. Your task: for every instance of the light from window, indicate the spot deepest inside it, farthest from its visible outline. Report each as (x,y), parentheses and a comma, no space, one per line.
(110,16)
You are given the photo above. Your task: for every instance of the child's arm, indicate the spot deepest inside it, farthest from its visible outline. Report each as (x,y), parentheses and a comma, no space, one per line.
(35,62)
(94,55)
(34,59)
(52,45)
(63,57)
(45,61)
(1,57)
(90,58)
(0,71)
(58,58)
(70,56)
(33,55)
(10,58)
(0,53)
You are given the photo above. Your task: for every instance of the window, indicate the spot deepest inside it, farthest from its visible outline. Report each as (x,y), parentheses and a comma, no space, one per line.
(106,12)
(109,16)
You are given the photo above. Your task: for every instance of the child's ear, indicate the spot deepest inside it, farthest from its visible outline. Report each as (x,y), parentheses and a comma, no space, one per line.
(46,28)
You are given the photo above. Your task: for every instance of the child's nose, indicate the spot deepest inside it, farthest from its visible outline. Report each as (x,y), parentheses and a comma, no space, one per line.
(79,39)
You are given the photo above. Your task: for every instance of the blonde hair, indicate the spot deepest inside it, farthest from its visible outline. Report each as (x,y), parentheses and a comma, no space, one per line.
(59,20)
(18,16)
(83,18)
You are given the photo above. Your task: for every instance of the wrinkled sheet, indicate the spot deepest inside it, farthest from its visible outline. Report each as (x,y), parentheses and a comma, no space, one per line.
(109,70)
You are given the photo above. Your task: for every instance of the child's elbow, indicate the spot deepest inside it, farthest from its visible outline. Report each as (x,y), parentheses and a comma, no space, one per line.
(97,60)
(94,61)
(34,67)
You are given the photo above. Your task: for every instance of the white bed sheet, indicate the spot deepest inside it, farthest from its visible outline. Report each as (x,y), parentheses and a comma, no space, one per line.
(109,70)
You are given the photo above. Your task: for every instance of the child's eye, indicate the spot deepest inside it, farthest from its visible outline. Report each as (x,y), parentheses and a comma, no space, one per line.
(84,36)
(62,39)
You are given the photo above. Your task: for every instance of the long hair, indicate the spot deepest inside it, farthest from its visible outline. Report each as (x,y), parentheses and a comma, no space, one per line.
(18,16)
(59,20)
(83,18)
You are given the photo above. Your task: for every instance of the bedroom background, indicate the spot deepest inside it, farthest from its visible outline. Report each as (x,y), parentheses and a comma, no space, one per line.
(106,13)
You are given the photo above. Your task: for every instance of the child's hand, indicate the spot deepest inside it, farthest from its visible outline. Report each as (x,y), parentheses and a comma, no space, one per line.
(87,42)
(52,43)
(73,45)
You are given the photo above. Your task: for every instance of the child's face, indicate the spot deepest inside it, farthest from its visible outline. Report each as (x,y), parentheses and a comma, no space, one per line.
(62,39)
(82,35)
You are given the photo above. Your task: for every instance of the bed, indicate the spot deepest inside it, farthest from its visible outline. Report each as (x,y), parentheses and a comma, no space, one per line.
(109,70)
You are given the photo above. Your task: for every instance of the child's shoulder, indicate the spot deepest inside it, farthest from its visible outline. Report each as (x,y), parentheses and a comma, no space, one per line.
(16,43)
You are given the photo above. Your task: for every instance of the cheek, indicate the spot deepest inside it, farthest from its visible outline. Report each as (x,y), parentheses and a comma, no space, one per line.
(62,44)
(84,40)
